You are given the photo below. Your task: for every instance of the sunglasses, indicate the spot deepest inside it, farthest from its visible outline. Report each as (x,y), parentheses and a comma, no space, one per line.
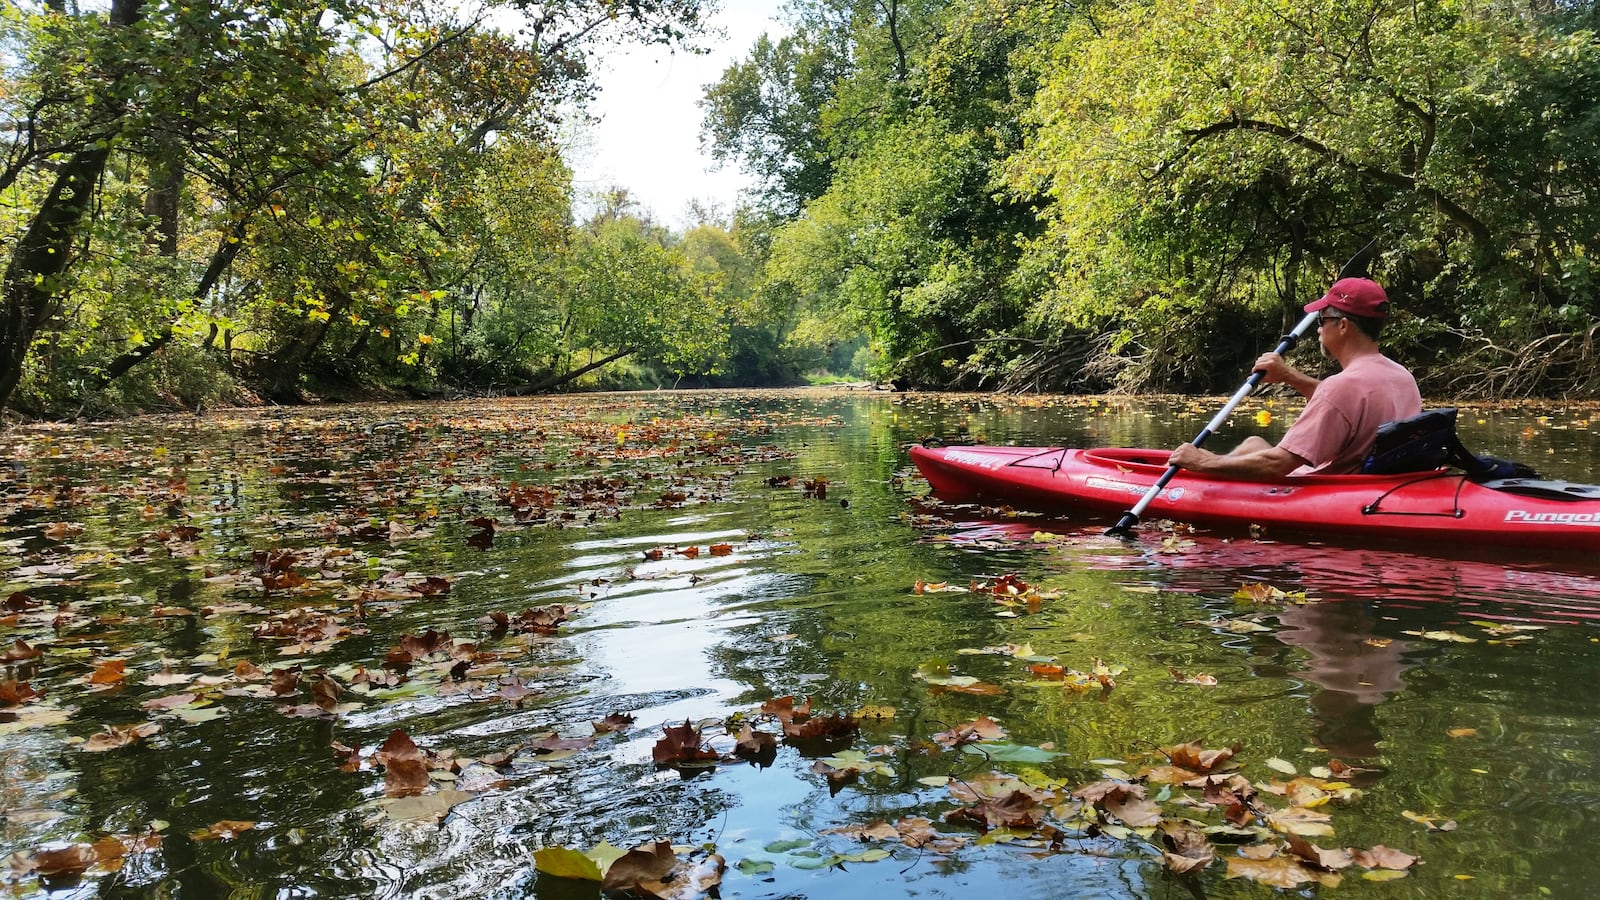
(1321,320)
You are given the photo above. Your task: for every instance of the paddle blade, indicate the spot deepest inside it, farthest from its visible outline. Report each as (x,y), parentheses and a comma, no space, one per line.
(1125,525)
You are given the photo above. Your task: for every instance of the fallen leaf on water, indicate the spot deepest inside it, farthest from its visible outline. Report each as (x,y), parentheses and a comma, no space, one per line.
(16,693)
(427,807)
(1447,636)
(1282,765)
(115,736)
(982,728)
(681,744)
(225,830)
(647,862)
(109,672)
(1279,871)
(1258,592)
(1432,823)
(1462,732)
(1380,857)
(73,859)
(1198,678)
(1184,847)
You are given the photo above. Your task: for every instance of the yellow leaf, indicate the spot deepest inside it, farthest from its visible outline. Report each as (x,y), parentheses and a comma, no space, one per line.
(564,862)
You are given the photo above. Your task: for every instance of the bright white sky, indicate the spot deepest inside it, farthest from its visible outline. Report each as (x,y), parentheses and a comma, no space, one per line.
(648,138)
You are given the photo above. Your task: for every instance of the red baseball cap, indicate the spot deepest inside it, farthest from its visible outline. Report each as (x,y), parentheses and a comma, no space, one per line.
(1356,296)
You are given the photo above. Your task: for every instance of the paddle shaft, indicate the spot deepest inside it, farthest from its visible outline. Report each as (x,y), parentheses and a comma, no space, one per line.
(1130,518)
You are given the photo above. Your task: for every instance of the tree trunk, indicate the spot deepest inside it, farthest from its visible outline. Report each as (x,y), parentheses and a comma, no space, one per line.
(161,200)
(31,289)
(555,381)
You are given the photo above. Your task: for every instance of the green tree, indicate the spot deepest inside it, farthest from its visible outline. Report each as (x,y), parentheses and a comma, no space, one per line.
(266,112)
(1202,165)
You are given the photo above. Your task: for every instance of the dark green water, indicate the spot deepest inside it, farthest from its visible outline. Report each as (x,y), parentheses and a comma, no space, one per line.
(814,597)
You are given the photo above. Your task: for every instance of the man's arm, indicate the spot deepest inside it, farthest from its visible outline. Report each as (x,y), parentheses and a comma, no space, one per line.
(1266,462)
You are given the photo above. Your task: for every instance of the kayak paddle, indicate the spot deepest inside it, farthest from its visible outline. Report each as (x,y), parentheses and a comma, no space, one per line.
(1124,526)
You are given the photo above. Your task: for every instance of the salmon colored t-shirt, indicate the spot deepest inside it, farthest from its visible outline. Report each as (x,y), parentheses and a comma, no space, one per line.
(1340,422)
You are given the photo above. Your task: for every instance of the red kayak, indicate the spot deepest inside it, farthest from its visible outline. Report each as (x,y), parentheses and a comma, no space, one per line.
(1441,505)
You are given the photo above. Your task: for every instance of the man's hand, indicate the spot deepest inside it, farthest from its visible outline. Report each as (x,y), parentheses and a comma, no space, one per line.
(1188,456)
(1272,368)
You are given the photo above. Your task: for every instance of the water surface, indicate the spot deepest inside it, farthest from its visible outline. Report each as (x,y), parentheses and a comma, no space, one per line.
(1408,663)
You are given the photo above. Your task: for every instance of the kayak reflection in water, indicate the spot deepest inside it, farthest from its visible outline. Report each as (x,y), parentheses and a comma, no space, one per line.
(1340,422)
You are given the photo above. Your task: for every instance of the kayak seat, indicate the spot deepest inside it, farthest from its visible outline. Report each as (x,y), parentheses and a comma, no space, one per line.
(1428,441)
(1418,444)
(1547,490)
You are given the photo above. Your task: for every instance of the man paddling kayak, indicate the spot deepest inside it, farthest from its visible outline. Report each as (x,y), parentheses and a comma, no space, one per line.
(1343,412)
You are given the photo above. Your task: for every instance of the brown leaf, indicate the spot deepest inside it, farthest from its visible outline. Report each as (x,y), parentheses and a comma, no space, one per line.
(16,693)
(1133,811)
(1192,756)
(1185,847)
(224,830)
(429,642)
(1279,871)
(326,692)
(115,736)
(720,549)
(1316,857)
(73,859)
(1198,678)
(554,743)
(982,728)
(834,725)
(1099,791)
(542,619)
(614,722)
(283,581)
(837,778)
(405,776)
(397,746)
(431,585)
(649,862)
(60,531)
(1017,809)
(18,602)
(514,692)
(785,709)
(689,881)
(755,745)
(285,681)
(1381,857)
(874,831)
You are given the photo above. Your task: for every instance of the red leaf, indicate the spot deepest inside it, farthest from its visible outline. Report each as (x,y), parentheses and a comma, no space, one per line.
(680,744)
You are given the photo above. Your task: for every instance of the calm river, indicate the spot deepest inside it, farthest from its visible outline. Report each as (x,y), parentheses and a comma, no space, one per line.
(215,625)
